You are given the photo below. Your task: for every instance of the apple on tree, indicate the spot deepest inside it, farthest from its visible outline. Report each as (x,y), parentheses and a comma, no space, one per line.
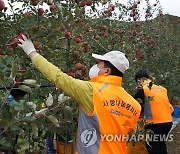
(2,5)
(67,34)
(34,2)
(40,11)
(1,52)
(79,66)
(52,7)
(75,54)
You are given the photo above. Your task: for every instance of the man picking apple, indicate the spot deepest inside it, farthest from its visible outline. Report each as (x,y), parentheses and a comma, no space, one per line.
(106,109)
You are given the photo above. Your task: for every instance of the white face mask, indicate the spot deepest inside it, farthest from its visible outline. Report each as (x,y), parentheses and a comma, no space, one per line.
(93,72)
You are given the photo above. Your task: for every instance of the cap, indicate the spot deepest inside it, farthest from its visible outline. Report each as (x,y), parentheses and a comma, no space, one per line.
(116,58)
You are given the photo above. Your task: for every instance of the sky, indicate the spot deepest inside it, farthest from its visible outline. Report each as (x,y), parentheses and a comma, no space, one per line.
(171,7)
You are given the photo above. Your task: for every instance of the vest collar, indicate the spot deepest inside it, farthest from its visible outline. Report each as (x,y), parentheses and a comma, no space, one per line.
(144,82)
(110,79)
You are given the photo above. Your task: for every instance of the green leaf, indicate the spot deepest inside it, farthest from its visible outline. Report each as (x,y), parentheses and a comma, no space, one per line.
(49,100)
(68,109)
(14,69)
(28,118)
(31,105)
(4,142)
(1,79)
(35,129)
(25,88)
(30,82)
(54,120)
(6,112)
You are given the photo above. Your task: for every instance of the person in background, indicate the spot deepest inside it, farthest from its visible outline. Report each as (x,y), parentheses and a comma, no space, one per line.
(15,95)
(157,111)
(105,107)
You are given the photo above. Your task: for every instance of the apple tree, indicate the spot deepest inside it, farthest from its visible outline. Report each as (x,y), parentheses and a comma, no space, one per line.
(66,33)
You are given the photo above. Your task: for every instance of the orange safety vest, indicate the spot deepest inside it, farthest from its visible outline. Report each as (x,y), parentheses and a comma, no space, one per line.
(159,109)
(115,114)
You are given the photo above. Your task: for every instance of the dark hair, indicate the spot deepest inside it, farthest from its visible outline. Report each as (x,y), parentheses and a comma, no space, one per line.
(15,92)
(114,70)
(140,74)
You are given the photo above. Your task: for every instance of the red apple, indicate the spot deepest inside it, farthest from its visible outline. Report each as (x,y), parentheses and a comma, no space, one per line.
(1,52)
(112,7)
(40,11)
(52,7)
(27,15)
(2,5)
(49,2)
(104,28)
(78,75)
(12,49)
(106,35)
(84,44)
(117,31)
(82,4)
(80,36)
(77,1)
(71,73)
(77,39)
(34,2)
(89,2)
(84,71)
(75,53)
(15,41)
(62,28)
(96,37)
(67,34)
(33,27)
(85,49)
(78,66)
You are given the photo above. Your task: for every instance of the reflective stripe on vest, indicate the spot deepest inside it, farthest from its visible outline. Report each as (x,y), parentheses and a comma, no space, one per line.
(157,109)
(115,114)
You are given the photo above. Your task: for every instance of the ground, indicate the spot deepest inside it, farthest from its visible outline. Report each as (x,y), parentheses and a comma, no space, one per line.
(174,146)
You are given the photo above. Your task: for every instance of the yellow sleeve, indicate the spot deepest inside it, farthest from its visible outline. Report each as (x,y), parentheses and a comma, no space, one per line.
(79,90)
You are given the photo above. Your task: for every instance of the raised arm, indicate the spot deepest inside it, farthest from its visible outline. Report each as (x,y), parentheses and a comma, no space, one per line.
(80,90)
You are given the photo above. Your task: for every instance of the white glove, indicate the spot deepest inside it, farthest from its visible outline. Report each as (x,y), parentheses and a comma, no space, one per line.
(26,45)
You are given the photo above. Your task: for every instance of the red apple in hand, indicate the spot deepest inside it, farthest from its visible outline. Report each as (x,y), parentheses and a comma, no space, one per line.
(2,5)
(15,40)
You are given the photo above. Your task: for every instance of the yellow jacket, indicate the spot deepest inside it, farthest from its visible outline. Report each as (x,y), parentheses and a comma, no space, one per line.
(106,108)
